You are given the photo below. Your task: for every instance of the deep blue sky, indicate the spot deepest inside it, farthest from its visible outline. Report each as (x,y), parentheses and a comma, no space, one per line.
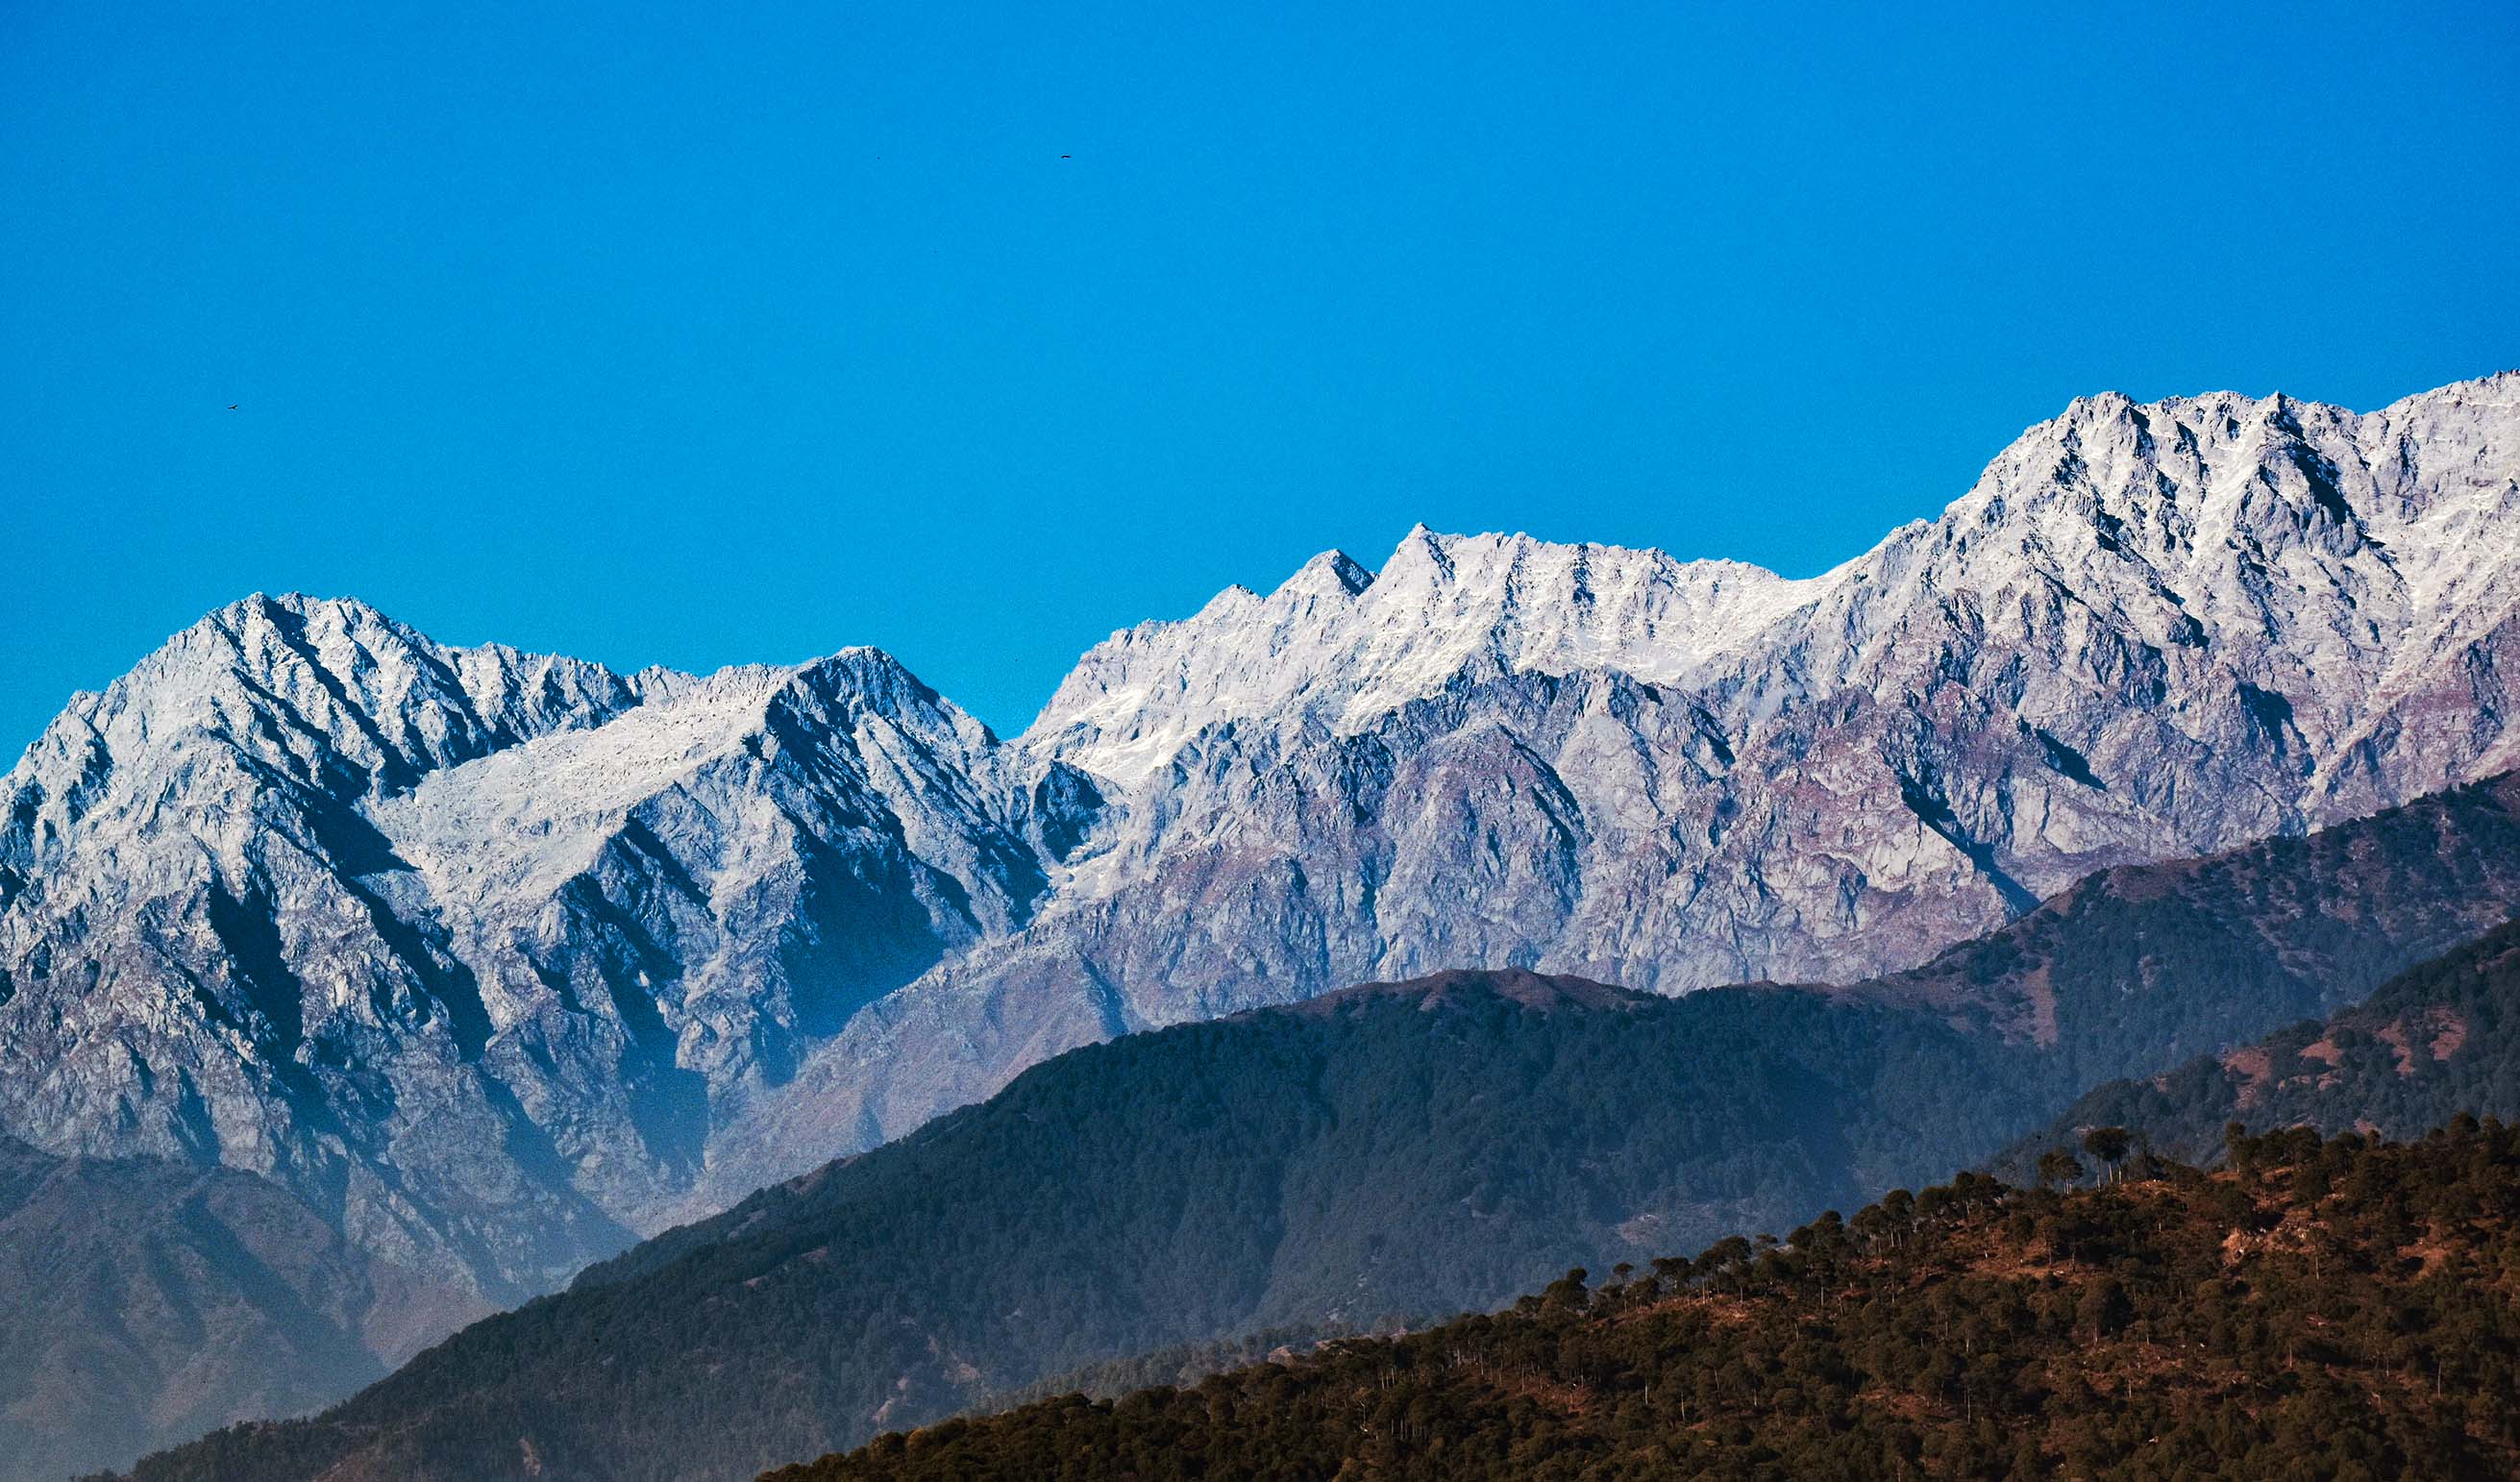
(697,333)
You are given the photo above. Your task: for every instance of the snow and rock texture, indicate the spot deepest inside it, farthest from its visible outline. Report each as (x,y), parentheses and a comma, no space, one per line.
(2149,631)
(498,959)
(468,948)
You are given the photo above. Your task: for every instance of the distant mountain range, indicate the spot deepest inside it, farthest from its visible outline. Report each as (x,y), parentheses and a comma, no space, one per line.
(498,963)
(1398,1151)
(145,1300)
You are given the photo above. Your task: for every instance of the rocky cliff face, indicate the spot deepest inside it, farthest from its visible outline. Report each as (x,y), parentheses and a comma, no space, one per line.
(2147,632)
(468,948)
(498,959)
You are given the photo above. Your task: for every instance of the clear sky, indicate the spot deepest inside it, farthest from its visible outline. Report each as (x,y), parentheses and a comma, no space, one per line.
(699,334)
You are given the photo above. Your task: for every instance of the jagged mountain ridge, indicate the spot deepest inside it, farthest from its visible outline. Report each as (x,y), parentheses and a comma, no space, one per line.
(2130,601)
(500,959)
(311,895)
(2147,633)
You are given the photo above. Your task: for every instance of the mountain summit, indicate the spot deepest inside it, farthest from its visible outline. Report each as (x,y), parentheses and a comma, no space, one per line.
(501,959)
(470,946)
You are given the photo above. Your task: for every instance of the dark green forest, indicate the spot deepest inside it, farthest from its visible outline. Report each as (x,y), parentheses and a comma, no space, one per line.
(2438,1039)
(2133,970)
(2334,1308)
(1383,1155)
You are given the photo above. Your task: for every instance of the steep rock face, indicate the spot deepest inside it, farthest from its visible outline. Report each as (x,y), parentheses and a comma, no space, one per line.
(498,959)
(464,946)
(2147,632)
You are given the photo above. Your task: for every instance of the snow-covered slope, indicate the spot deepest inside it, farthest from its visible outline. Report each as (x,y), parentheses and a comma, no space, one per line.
(470,949)
(497,959)
(2302,538)
(1342,646)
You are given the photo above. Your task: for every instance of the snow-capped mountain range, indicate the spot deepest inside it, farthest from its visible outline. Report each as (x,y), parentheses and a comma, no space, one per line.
(497,959)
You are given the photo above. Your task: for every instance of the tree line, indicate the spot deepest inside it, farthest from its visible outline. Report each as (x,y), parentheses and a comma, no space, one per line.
(2331,1306)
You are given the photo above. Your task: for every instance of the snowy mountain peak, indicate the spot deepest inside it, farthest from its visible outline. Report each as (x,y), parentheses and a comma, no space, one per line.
(1337,644)
(2261,522)
(327,697)
(496,956)
(1330,574)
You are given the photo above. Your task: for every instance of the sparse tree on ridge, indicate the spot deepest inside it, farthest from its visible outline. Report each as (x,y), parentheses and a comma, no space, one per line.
(2109,1145)
(2057,1166)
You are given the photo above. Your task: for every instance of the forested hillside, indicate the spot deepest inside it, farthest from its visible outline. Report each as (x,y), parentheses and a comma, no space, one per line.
(2438,1039)
(2135,969)
(2338,1309)
(1395,1152)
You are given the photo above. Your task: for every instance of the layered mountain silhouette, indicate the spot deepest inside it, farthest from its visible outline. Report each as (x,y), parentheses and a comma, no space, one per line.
(1389,1153)
(498,963)
(2313,1310)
